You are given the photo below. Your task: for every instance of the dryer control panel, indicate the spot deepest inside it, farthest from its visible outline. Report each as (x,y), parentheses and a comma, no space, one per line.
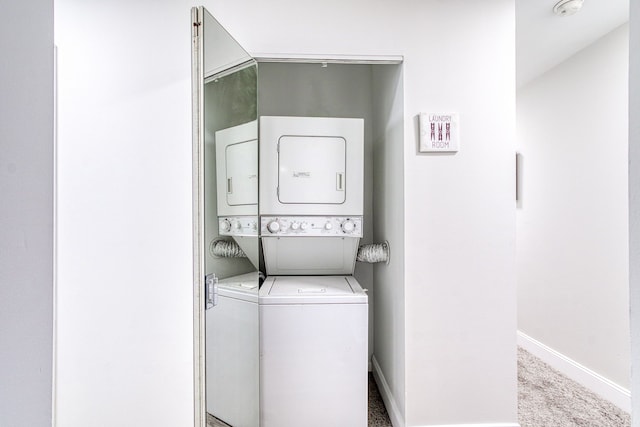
(238,226)
(311,226)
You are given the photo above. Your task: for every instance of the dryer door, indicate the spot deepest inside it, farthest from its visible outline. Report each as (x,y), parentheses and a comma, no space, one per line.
(311,169)
(311,165)
(236,156)
(242,173)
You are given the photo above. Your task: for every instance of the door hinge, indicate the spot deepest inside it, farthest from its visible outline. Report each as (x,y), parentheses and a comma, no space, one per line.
(210,291)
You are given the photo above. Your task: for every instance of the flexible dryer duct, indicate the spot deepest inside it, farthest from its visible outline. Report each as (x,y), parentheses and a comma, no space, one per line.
(373,253)
(226,249)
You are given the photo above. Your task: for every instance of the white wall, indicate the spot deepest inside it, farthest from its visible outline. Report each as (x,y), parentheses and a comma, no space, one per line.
(125,217)
(460,219)
(26,213)
(124,341)
(634,203)
(388,279)
(572,247)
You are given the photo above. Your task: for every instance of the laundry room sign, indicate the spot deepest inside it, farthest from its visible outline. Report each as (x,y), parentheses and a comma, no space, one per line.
(439,132)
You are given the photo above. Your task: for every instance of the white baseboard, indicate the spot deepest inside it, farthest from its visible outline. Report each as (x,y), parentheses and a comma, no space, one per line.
(607,389)
(396,416)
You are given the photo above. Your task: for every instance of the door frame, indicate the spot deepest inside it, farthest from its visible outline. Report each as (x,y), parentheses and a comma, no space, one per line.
(197,76)
(197,206)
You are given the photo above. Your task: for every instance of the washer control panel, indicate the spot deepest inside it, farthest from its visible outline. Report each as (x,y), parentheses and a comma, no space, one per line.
(310,226)
(238,226)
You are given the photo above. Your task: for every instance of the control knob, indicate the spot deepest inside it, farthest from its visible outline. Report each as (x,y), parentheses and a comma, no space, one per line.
(295,225)
(304,226)
(225,225)
(273,226)
(328,226)
(237,225)
(348,226)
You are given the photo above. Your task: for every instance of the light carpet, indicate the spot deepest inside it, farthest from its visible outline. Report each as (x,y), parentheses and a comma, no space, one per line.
(546,398)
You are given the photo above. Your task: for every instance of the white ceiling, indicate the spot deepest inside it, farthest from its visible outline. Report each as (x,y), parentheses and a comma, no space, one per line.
(543,39)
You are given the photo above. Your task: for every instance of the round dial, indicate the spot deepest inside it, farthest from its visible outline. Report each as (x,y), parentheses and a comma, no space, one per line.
(237,225)
(295,225)
(273,226)
(304,225)
(348,226)
(328,226)
(225,225)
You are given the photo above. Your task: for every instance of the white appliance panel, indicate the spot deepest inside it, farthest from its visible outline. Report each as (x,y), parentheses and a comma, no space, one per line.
(238,225)
(311,169)
(237,170)
(232,354)
(302,255)
(243,287)
(313,364)
(311,166)
(312,290)
(318,226)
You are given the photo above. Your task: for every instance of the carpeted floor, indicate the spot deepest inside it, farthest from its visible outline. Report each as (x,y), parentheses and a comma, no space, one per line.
(547,398)
(378,416)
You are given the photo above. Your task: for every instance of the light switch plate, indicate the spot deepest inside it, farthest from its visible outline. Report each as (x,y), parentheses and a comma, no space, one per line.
(439,133)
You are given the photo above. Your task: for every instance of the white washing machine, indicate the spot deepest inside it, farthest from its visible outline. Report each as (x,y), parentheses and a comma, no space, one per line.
(232,351)
(313,352)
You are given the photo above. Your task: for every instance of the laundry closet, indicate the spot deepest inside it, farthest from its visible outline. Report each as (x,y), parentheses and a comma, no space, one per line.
(276,232)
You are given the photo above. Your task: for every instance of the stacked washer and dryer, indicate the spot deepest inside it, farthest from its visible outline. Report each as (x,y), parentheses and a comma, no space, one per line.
(232,328)
(313,313)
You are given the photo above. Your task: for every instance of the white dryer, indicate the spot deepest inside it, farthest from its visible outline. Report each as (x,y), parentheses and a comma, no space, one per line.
(311,166)
(311,194)
(237,180)
(313,352)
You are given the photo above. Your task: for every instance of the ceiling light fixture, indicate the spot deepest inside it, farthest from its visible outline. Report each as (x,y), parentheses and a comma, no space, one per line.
(567,7)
